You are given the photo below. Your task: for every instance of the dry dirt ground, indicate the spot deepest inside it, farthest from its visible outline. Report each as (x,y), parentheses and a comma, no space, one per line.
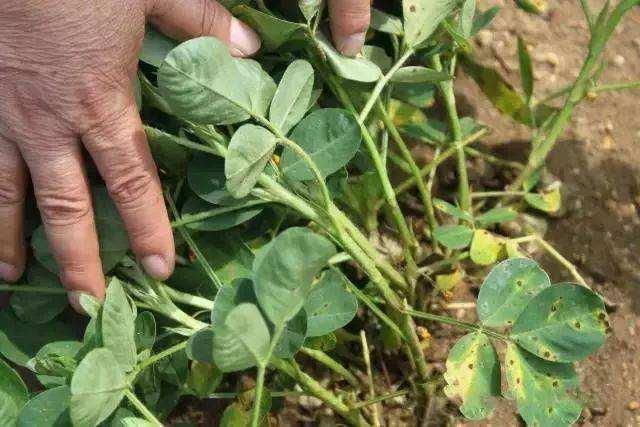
(598,161)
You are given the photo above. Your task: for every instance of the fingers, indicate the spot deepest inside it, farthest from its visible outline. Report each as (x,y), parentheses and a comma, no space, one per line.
(12,192)
(349,23)
(64,200)
(185,19)
(118,146)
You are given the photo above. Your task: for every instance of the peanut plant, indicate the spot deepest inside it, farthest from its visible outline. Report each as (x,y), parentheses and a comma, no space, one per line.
(294,243)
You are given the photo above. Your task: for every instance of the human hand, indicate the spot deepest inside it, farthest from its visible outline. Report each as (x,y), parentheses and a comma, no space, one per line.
(66,69)
(350,20)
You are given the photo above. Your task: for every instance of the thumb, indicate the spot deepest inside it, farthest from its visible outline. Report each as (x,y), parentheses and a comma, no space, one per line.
(186,19)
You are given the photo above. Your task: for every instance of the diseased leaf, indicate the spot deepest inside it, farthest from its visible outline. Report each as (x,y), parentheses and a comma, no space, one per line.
(417,74)
(563,323)
(48,409)
(284,270)
(385,22)
(118,326)
(446,282)
(453,236)
(329,305)
(507,290)
(330,136)
(250,149)
(97,387)
(358,69)
(39,307)
(204,378)
(547,201)
(485,248)
(542,389)
(202,82)
(55,362)
(473,375)
(242,340)
(422,17)
(293,95)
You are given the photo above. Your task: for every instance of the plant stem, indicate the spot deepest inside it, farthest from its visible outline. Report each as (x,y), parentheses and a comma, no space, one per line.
(201,216)
(141,408)
(380,398)
(335,366)
(156,358)
(446,87)
(372,389)
(451,321)
(32,289)
(232,395)
(380,85)
(425,193)
(255,416)
(188,299)
(483,194)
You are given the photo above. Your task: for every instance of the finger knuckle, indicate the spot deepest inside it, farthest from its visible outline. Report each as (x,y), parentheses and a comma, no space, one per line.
(213,18)
(132,187)
(10,192)
(63,207)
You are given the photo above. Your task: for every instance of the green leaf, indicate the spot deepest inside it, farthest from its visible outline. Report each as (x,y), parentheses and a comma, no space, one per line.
(330,305)
(39,307)
(202,82)
(507,290)
(420,95)
(155,47)
(120,415)
(229,297)
(417,74)
(452,210)
(284,270)
(309,8)
(200,346)
(466,18)
(378,56)
(330,136)
(118,326)
(422,17)
(170,157)
(358,69)
(459,38)
(541,389)
(276,34)
(293,95)
(48,409)
(13,394)
(20,341)
(548,201)
(205,175)
(536,7)
(473,375)
(563,323)
(225,218)
(293,336)
(235,415)
(204,378)
(136,422)
(145,331)
(485,248)
(227,254)
(496,216)
(242,340)
(526,69)
(249,151)
(55,362)
(385,23)
(97,387)
(325,343)
(453,236)
(112,236)
(483,19)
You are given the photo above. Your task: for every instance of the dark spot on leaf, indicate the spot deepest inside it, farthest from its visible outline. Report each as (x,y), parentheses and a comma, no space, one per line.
(577,325)
(511,362)
(412,8)
(550,410)
(519,282)
(517,380)
(555,383)
(470,366)
(534,338)
(547,354)
(602,316)
(554,308)
(608,330)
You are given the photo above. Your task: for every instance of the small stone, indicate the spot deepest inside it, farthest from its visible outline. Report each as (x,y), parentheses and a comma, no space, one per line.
(484,38)
(633,405)
(618,60)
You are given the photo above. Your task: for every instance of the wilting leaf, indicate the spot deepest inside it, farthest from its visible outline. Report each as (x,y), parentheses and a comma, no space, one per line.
(563,323)
(422,17)
(97,387)
(542,389)
(507,290)
(548,201)
(453,236)
(446,282)
(485,248)
(48,409)
(330,136)
(242,340)
(118,326)
(292,97)
(473,375)
(284,270)
(329,306)
(250,149)
(358,69)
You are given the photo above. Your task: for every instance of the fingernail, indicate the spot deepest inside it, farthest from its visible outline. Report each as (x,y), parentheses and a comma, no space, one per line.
(74,301)
(156,266)
(8,272)
(243,40)
(351,45)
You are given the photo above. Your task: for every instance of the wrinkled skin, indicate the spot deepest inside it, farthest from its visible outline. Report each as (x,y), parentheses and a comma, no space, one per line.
(66,69)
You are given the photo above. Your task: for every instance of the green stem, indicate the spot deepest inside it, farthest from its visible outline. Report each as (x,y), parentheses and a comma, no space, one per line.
(32,289)
(380,398)
(335,366)
(446,87)
(262,369)
(372,389)
(155,359)
(188,299)
(201,216)
(380,85)
(451,321)
(232,395)
(484,194)
(141,408)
